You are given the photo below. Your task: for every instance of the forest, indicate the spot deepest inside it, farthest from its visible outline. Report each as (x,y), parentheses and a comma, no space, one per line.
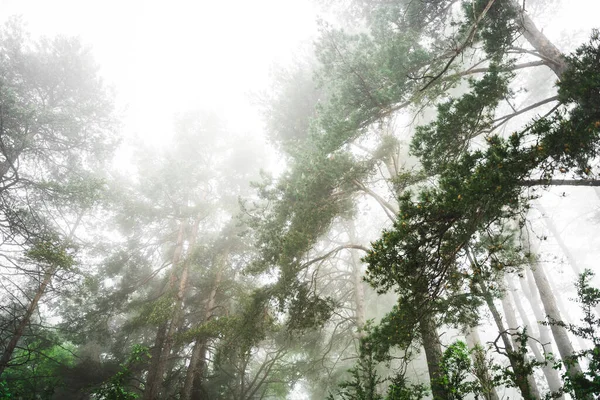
(417,218)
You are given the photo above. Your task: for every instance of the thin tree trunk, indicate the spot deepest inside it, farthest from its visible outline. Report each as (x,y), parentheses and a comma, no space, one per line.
(433,354)
(513,324)
(14,340)
(551,374)
(556,235)
(359,288)
(195,371)
(479,361)
(561,337)
(48,275)
(164,335)
(527,391)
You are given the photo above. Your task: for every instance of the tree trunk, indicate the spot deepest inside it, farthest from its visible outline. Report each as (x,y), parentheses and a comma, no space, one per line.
(480,364)
(547,50)
(195,371)
(359,288)
(14,340)
(165,333)
(561,337)
(528,392)
(48,275)
(556,235)
(513,324)
(433,354)
(551,374)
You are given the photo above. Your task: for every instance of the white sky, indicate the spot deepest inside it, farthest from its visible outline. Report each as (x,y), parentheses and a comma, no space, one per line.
(167,57)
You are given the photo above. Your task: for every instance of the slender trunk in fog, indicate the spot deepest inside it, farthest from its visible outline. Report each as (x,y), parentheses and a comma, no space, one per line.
(551,374)
(166,331)
(513,325)
(359,288)
(480,364)
(557,236)
(540,315)
(46,278)
(561,337)
(197,367)
(528,391)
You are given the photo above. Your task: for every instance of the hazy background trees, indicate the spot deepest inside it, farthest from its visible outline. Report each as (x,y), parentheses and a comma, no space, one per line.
(401,225)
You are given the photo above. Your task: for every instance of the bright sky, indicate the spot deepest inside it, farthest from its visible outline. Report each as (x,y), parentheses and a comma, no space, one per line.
(166,57)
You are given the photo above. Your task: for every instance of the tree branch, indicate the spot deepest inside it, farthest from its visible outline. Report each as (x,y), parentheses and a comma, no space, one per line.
(390,211)
(561,182)
(334,251)
(456,52)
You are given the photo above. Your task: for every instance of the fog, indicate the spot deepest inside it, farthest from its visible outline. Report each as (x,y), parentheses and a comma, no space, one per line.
(342,199)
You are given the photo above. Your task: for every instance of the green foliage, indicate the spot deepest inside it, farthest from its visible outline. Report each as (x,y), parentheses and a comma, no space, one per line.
(117,387)
(455,367)
(480,189)
(499,30)
(460,120)
(400,389)
(367,383)
(51,254)
(587,384)
(37,368)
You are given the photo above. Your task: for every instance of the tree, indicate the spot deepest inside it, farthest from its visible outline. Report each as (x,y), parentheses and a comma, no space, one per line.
(411,57)
(56,133)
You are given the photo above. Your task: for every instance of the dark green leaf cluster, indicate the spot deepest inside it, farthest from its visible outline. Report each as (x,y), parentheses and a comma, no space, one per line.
(460,120)
(306,202)
(366,381)
(482,188)
(37,368)
(373,78)
(499,29)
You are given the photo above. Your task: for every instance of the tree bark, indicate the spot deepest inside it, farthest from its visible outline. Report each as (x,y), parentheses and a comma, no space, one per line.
(551,374)
(359,288)
(556,235)
(561,337)
(14,340)
(433,354)
(513,324)
(539,41)
(48,275)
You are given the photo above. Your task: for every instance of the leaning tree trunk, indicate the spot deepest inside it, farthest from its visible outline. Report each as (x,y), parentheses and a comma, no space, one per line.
(14,340)
(358,283)
(528,391)
(481,370)
(536,38)
(556,235)
(512,324)
(47,278)
(561,337)
(551,374)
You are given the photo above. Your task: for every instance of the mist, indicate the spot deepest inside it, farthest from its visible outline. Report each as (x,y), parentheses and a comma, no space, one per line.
(341,200)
